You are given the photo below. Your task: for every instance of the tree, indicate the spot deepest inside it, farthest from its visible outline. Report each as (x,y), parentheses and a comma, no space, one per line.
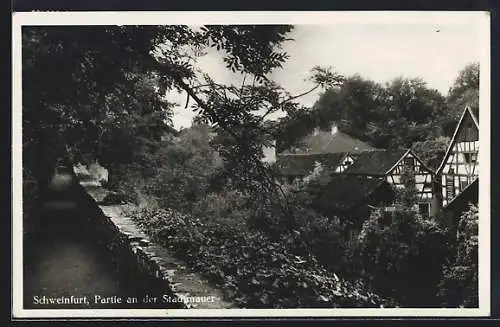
(465,89)
(432,151)
(416,109)
(90,99)
(464,92)
(356,107)
(179,173)
(393,115)
(78,83)
(238,112)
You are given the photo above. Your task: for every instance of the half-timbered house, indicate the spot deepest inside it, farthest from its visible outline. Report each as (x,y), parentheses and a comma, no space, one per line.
(393,165)
(460,165)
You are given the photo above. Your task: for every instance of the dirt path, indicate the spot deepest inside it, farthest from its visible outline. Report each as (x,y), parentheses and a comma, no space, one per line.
(61,262)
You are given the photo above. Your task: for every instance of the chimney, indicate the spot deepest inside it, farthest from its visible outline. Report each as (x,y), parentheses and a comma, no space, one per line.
(334,129)
(316,131)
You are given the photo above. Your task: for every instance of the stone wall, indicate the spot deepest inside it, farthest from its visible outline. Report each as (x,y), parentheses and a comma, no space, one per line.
(126,250)
(135,254)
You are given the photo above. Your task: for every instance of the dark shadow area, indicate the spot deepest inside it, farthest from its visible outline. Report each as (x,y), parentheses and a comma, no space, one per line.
(65,260)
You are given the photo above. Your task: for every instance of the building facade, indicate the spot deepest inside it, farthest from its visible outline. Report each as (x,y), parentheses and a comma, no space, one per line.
(394,165)
(460,165)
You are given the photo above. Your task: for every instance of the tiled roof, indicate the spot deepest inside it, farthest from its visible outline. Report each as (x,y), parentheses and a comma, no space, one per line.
(375,162)
(303,164)
(325,142)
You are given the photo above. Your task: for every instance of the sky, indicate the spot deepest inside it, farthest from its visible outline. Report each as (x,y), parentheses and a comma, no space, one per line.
(376,51)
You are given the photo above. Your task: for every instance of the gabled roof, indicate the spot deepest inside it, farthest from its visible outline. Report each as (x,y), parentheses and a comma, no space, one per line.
(343,192)
(467,111)
(325,142)
(377,163)
(303,164)
(475,113)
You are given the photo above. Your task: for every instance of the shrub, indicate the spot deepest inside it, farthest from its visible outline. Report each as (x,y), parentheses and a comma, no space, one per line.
(254,271)
(459,286)
(400,256)
(227,207)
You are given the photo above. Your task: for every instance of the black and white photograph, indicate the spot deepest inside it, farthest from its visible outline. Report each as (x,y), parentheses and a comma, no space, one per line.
(251,164)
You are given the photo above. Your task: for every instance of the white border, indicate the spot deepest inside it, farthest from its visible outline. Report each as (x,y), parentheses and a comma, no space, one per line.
(260,17)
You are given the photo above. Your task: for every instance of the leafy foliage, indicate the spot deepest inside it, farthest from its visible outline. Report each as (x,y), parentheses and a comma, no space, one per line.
(97,93)
(87,90)
(431,151)
(256,272)
(401,255)
(459,286)
(393,246)
(392,115)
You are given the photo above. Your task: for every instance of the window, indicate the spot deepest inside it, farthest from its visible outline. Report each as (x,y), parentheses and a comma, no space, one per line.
(299,182)
(463,185)
(474,157)
(469,133)
(409,163)
(468,157)
(424,209)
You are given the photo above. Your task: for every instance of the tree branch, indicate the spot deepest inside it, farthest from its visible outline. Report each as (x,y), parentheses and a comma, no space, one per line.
(270,183)
(299,95)
(287,100)
(187,101)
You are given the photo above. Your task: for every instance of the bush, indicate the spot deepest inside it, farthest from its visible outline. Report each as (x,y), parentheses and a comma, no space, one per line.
(227,207)
(401,256)
(254,271)
(459,287)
